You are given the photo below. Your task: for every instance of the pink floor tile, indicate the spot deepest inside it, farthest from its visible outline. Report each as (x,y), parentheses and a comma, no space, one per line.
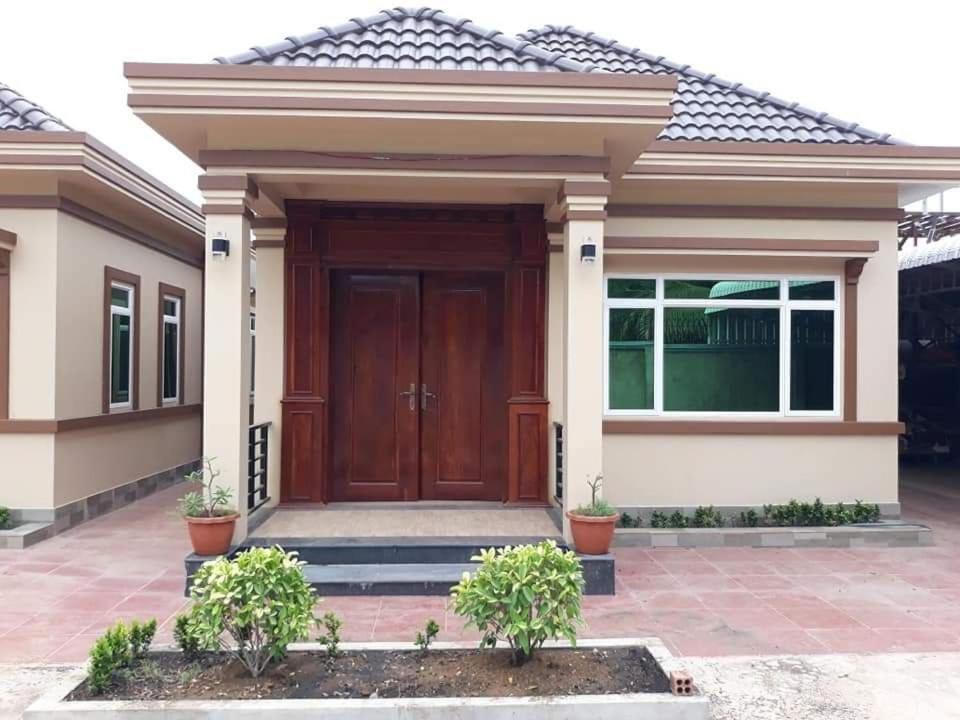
(819,618)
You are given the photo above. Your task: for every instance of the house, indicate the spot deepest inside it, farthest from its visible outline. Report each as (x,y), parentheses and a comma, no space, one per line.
(101,277)
(480,253)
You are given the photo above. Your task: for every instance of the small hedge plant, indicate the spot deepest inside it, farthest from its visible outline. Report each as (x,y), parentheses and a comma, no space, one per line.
(793,514)
(522,596)
(5,520)
(120,647)
(252,607)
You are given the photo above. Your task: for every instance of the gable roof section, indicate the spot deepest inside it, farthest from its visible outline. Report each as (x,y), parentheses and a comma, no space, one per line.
(707,107)
(18,113)
(408,38)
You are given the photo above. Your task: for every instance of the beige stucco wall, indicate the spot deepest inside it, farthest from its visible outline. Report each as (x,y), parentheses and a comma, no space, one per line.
(26,479)
(672,470)
(84,250)
(33,321)
(90,461)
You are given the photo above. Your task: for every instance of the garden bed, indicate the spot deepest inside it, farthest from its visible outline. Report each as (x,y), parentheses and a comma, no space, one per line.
(610,679)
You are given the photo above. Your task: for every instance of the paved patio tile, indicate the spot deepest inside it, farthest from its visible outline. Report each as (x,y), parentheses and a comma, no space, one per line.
(818,618)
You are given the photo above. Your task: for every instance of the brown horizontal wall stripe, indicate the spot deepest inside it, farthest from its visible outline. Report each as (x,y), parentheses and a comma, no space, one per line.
(30,426)
(267,243)
(777,427)
(761,171)
(268,222)
(585,187)
(481,107)
(185,71)
(228,182)
(556,248)
(403,161)
(712,243)
(754,212)
(584,215)
(30,202)
(784,148)
(226,209)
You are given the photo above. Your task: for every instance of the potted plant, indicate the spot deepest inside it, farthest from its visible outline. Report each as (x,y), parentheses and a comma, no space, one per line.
(209,518)
(592,526)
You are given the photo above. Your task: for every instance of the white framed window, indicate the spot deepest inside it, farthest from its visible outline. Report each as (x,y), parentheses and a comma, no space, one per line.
(722,345)
(171,338)
(122,313)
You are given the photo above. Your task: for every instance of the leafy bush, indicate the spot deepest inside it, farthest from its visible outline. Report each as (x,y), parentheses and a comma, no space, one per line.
(5,520)
(118,648)
(331,638)
(707,517)
(750,518)
(658,520)
(260,600)
(522,595)
(598,507)
(212,500)
(630,521)
(186,637)
(817,514)
(429,634)
(677,520)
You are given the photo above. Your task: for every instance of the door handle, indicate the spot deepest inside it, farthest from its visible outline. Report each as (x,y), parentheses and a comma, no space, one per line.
(424,394)
(412,395)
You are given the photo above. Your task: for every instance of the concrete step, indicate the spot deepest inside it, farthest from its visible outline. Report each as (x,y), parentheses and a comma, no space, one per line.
(387,579)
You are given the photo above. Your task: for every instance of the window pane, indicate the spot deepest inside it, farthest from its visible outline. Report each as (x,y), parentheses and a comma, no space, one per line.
(171,361)
(631,359)
(170,307)
(812,290)
(722,289)
(811,360)
(721,360)
(630,288)
(119,297)
(120,359)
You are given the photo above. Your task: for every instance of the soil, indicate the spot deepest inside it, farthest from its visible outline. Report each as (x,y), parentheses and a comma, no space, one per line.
(391,674)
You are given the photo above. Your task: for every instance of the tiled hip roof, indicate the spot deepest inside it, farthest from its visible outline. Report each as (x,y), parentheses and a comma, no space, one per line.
(18,113)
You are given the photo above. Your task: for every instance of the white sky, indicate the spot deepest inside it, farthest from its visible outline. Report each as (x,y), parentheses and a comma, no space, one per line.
(890,71)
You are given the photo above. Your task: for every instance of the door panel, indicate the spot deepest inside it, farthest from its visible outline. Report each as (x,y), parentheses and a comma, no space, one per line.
(463,439)
(376,356)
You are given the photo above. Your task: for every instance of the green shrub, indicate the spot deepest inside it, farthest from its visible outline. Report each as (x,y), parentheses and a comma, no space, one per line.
(118,648)
(331,638)
(658,519)
(802,514)
(522,595)
(630,521)
(185,637)
(707,517)
(677,520)
(429,634)
(260,601)
(750,518)
(865,513)
(5,520)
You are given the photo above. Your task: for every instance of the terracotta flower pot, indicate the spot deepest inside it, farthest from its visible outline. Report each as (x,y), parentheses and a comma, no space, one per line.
(592,535)
(211,535)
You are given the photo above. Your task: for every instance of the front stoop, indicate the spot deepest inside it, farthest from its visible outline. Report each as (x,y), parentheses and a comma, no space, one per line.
(402,566)
(886,533)
(629,706)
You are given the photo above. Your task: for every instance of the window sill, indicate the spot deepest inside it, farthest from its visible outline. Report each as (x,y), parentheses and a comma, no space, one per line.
(749,427)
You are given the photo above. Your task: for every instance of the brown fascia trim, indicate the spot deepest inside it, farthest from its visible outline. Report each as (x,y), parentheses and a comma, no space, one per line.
(583,215)
(31,427)
(267,244)
(479,107)
(269,223)
(852,270)
(859,173)
(402,161)
(111,275)
(229,182)
(778,427)
(584,187)
(82,212)
(80,138)
(227,209)
(165,290)
(5,325)
(718,147)
(780,212)
(740,243)
(186,71)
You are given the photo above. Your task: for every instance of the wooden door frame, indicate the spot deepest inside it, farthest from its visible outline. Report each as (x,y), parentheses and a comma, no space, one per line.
(382,237)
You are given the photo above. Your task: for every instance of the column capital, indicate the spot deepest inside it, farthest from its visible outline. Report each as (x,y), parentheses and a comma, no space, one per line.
(269,232)
(8,240)
(583,200)
(228,194)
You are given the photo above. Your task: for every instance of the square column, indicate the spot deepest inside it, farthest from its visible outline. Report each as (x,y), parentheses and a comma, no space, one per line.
(226,342)
(583,225)
(269,234)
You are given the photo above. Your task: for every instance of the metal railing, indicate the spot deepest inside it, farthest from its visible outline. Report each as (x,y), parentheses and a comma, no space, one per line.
(257,459)
(558,456)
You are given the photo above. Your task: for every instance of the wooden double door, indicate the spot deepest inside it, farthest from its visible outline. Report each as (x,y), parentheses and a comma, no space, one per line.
(418,404)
